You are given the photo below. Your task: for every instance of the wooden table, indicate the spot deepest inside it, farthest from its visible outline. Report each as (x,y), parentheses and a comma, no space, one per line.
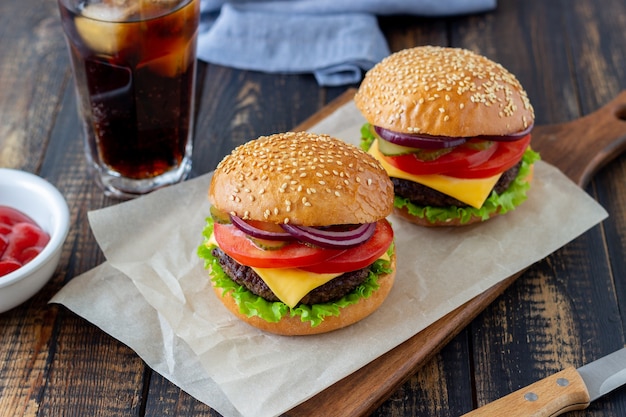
(568,309)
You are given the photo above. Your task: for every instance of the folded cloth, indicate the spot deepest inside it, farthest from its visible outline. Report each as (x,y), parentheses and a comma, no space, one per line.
(336,40)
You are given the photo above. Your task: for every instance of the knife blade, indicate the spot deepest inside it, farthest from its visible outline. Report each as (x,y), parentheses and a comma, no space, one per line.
(567,390)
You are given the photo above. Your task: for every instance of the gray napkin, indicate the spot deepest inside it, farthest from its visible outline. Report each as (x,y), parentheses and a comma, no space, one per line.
(336,40)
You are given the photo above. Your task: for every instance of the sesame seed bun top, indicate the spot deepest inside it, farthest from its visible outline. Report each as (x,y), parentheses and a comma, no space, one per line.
(443,92)
(304,179)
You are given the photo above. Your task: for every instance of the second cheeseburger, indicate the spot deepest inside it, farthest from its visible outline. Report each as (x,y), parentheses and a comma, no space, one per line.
(297,242)
(452,129)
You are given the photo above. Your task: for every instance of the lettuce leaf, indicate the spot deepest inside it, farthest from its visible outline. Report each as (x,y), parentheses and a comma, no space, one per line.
(367,136)
(515,195)
(273,311)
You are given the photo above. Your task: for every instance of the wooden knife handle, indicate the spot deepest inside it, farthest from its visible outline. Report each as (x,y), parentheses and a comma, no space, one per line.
(552,396)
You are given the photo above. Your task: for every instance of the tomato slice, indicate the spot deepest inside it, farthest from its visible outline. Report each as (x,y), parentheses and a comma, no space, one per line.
(238,246)
(359,256)
(462,157)
(465,162)
(506,156)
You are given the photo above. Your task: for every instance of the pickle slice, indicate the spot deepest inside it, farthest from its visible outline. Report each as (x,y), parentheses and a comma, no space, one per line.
(391,149)
(266,244)
(426,155)
(219,216)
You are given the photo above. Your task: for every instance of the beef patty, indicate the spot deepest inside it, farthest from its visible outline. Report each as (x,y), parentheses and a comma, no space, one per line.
(332,290)
(421,195)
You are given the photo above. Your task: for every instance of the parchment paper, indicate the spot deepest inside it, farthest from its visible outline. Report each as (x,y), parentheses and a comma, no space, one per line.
(153,294)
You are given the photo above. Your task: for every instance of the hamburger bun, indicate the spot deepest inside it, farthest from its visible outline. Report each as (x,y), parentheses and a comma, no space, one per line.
(300,179)
(303,179)
(439,94)
(443,92)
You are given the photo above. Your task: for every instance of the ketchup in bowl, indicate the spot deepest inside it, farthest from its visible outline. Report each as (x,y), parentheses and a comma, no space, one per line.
(21,239)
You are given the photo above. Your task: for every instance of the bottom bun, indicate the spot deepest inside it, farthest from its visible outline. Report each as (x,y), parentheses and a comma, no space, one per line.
(293,326)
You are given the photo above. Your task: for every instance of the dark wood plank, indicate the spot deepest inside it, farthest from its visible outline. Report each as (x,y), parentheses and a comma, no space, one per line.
(31,80)
(166,399)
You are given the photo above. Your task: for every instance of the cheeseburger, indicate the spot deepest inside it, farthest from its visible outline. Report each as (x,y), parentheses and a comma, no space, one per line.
(297,242)
(452,129)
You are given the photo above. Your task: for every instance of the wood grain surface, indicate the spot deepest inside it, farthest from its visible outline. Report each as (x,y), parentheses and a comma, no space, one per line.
(565,310)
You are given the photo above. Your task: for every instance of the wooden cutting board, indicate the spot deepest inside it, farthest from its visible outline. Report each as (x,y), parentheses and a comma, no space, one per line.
(579,148)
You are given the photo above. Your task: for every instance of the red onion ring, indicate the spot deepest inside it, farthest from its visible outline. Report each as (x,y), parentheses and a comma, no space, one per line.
(418,141)
(329,239)
(332,239)
(248,229)
(438,142)
(508,138)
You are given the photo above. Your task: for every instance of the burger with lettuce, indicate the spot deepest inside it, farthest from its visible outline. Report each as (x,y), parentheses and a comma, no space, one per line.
(297,242)
(452,129)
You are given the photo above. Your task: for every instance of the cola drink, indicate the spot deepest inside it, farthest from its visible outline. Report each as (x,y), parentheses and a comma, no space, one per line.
(134,63)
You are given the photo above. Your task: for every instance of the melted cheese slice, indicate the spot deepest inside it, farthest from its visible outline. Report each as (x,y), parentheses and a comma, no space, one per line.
(471,191)
(290,285)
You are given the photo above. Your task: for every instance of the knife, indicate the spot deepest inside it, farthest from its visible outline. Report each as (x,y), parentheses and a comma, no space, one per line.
(567,390)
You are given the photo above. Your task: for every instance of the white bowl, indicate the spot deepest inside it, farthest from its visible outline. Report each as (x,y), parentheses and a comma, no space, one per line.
(37,198)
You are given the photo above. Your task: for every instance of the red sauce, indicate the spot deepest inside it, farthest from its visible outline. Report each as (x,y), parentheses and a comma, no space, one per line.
(21,239)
